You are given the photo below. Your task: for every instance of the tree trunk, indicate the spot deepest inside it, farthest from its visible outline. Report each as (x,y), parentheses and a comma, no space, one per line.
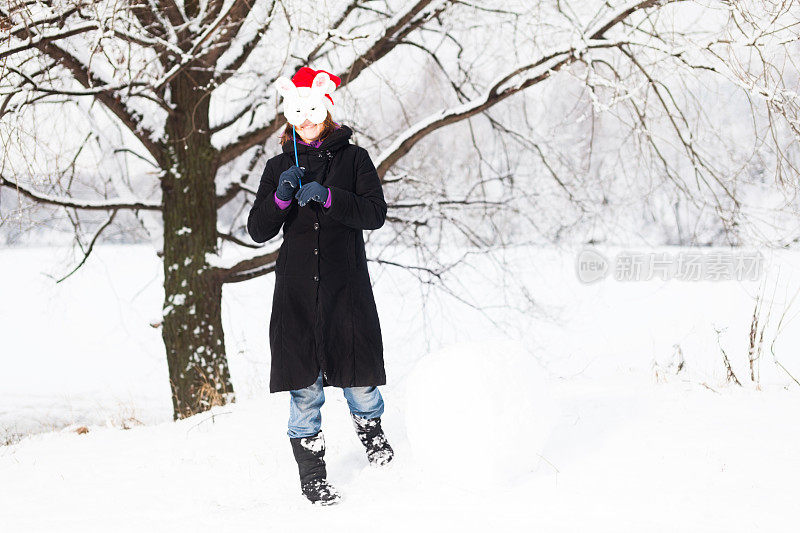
(192,326)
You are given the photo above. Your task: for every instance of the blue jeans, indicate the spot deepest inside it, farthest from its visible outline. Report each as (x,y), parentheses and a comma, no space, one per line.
(305,419)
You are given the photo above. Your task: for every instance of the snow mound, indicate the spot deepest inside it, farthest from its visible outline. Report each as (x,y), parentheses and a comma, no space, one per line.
(479,413)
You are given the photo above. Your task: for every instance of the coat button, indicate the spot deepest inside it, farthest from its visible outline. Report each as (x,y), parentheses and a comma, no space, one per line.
(316,251)
(316,225)
(316,278)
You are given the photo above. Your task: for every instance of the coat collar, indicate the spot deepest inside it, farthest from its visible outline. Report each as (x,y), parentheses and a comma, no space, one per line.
(336,140)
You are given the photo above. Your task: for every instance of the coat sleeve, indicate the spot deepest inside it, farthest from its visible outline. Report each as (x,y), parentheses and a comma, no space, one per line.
(365,208)
(266,218)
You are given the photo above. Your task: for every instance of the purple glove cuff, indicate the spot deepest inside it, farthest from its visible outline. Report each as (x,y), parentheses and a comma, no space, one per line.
(283,204)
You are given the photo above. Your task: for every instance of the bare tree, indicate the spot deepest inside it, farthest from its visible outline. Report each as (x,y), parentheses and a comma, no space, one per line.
(181,91)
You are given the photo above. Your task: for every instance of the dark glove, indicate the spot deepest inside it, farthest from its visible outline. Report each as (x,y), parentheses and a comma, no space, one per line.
(288,181)
(312,191)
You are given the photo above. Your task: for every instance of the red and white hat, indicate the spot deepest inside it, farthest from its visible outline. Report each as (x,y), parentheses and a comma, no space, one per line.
(307,95)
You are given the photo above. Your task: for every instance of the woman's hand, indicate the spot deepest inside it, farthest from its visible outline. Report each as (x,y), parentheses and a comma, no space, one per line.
(312,191)
(288,181)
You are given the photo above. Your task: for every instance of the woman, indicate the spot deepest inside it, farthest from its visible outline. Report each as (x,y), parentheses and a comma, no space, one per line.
(324,327)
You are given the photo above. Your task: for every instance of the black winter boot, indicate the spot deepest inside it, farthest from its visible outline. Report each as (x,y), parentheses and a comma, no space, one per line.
(309,452)
(371,436)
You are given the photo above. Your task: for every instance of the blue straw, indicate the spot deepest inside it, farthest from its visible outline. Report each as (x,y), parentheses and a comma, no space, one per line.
(296,161)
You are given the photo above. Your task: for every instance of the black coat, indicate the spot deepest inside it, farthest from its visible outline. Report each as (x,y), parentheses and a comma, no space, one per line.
(323,309)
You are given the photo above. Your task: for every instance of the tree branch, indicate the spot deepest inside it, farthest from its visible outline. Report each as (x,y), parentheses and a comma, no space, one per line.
(35,42)
(82,75)
(533,73)
(247,48)
(236,240)
(499,90)
(91,245)
(248,268)
(234,20)
(77,204)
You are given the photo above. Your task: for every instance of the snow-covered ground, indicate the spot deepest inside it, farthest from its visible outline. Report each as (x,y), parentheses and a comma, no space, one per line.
(628,443)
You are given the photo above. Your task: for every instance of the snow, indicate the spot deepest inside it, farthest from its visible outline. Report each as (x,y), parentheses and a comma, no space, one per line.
(495,435)
(314,445)
(626,450)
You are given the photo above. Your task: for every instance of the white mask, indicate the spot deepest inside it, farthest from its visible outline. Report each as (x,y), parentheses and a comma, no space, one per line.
(301,103)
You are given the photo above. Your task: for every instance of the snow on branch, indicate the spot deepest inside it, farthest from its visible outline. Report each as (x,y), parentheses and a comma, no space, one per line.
(72,92)
(236,12)
(514,81)
(34,42)
(79,204)
(501,88)
(103,92)
(257,264)
(233,66)
(397,28)
(235,19)
(621,13)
